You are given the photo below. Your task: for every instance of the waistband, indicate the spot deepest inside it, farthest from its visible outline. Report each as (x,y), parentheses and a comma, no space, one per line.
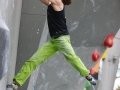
(54,37)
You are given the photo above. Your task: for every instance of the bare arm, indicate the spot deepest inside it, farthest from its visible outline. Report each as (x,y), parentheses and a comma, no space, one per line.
(46,2)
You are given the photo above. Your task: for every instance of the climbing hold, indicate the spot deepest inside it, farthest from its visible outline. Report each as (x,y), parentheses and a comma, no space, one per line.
(95,55)
(92,71)
(115,58)
(109,40)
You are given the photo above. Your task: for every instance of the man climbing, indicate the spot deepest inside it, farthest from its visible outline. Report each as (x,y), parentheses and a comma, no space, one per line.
(60,41)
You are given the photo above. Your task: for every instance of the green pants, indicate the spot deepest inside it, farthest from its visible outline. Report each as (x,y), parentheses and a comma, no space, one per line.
(61,44)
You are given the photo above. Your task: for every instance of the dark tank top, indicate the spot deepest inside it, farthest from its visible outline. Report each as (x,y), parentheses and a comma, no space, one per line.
(56,22)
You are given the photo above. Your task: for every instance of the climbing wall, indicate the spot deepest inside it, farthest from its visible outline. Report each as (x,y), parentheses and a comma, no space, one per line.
(10,12)
(4,47)
(89,22)
(31,27)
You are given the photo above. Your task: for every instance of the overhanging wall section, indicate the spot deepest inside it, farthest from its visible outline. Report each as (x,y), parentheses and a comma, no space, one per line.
(10,11)
(33,18)
(89,22)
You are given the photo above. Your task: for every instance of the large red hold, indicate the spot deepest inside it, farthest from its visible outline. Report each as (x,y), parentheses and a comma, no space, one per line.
(109,41)
(95,55)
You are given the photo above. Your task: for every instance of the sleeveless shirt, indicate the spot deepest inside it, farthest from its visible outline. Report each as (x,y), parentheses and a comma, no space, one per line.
(56,22)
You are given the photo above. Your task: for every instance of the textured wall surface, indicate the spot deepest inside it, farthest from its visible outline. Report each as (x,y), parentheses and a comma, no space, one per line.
(89,22)
(31,28)
(110,65)
(4,47)
(10,11)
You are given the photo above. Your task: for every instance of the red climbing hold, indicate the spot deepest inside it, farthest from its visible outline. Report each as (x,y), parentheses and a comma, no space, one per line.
(109,40)
(92,71)
(95,55)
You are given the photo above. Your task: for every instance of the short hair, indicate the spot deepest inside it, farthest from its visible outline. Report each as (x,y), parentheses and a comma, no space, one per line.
(67,2)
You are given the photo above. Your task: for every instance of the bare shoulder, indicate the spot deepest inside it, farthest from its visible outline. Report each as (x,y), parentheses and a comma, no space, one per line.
(57,4)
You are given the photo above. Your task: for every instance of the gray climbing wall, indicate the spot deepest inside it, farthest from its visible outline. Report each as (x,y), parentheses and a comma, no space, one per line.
(10,12)
(4,47)
(31,28)
(89,22)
